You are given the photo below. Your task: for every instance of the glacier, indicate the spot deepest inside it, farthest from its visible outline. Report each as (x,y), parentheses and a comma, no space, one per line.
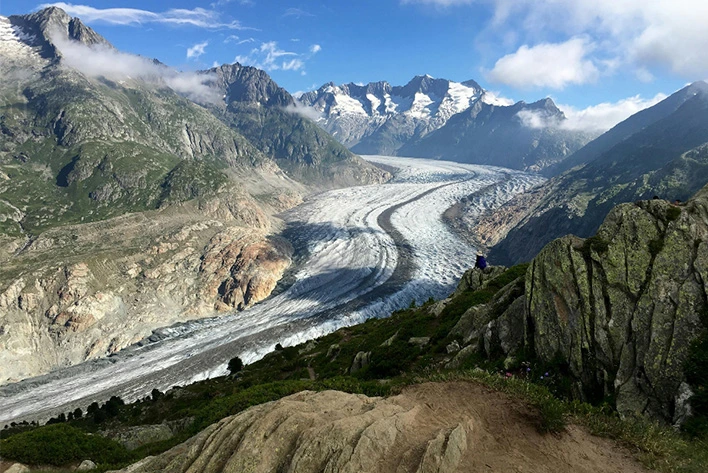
(366,251)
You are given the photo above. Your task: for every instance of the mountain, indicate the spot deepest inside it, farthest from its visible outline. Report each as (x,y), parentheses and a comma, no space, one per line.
(492,134)
(132,196)
(267,116)
(628,127)
(442,119)
(662,151)
(606,334)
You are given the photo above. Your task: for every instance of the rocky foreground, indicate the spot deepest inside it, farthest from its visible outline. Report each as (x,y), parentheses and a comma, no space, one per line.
(433,427)
(621,309)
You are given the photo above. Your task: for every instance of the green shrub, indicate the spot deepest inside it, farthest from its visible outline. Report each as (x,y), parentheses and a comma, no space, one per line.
(235,365)
(61,444)
(673,213)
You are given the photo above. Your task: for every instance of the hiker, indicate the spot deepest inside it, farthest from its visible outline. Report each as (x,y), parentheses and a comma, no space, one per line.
(481,263)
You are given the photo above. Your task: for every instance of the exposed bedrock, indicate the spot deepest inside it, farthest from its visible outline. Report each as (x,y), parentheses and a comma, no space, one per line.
(434,427)
(620,309)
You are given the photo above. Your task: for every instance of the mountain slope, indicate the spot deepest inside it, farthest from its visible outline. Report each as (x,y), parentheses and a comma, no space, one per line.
(126,203)
(266,114)
(628,127)
(490,134)
(438,118)
(668,158)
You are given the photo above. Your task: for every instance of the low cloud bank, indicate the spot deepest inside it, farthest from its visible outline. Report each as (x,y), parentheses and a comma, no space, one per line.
(303,110)
(104,61)
(594,119)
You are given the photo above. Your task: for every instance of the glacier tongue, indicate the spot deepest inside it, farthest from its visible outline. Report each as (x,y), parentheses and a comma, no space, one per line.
(369,250)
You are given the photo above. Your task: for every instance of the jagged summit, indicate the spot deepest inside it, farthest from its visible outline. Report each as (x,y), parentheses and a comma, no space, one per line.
(240,83)
(387,115)
(439,118)
(48,22)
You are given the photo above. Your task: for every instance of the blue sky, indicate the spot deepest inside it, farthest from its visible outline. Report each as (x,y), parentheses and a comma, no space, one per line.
(622,54)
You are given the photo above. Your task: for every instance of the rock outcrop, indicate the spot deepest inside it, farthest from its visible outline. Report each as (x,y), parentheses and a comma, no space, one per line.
(87,291)
(620,309)
(433,427)
(623,307)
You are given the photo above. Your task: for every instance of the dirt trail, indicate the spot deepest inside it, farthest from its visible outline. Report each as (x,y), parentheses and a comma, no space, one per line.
(433,427)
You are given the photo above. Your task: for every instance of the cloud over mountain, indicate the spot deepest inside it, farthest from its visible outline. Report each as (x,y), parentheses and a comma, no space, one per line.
(104,61)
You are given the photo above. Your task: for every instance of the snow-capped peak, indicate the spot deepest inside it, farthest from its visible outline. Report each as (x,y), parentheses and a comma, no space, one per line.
(354,112)
(490,98)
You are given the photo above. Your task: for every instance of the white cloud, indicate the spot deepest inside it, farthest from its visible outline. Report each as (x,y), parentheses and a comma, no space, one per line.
(552,65)
(270,57)
(303,110)
(197,50)
(103,61)
(597,118)
(198,17)
(639,36)
(235,39)
(315,48)
(293,65)
(297,13)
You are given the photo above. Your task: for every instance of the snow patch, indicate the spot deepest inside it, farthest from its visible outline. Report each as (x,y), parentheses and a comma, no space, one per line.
(14,42)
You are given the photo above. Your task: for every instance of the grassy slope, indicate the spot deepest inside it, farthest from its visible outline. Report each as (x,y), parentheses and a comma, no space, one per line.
(393,365)
(85,150)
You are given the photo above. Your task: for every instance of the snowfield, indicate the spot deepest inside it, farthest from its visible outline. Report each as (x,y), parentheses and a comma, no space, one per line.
(366,251)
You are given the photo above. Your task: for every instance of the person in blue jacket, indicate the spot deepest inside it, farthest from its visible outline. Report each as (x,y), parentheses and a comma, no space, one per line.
(481,263)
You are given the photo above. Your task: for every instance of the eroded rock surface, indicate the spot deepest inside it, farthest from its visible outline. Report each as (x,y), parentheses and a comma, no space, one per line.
(620,309)
(435,427)
(623,307)
(87,291)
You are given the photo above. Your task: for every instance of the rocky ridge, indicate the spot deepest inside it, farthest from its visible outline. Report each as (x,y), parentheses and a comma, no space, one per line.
(620,309)
(433,427)
(442,119)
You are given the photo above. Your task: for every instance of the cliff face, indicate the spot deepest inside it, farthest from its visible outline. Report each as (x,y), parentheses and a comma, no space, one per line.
(94,289)
(623,307)
(620,309)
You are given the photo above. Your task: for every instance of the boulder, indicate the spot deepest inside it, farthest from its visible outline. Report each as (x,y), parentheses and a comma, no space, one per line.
(475,279)
(452,347)
(17,468)
(333,350)
(86,465)
(361,360)
(419,341)
(135,437)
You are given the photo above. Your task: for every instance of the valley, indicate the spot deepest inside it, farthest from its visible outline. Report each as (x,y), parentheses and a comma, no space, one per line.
(386,242)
